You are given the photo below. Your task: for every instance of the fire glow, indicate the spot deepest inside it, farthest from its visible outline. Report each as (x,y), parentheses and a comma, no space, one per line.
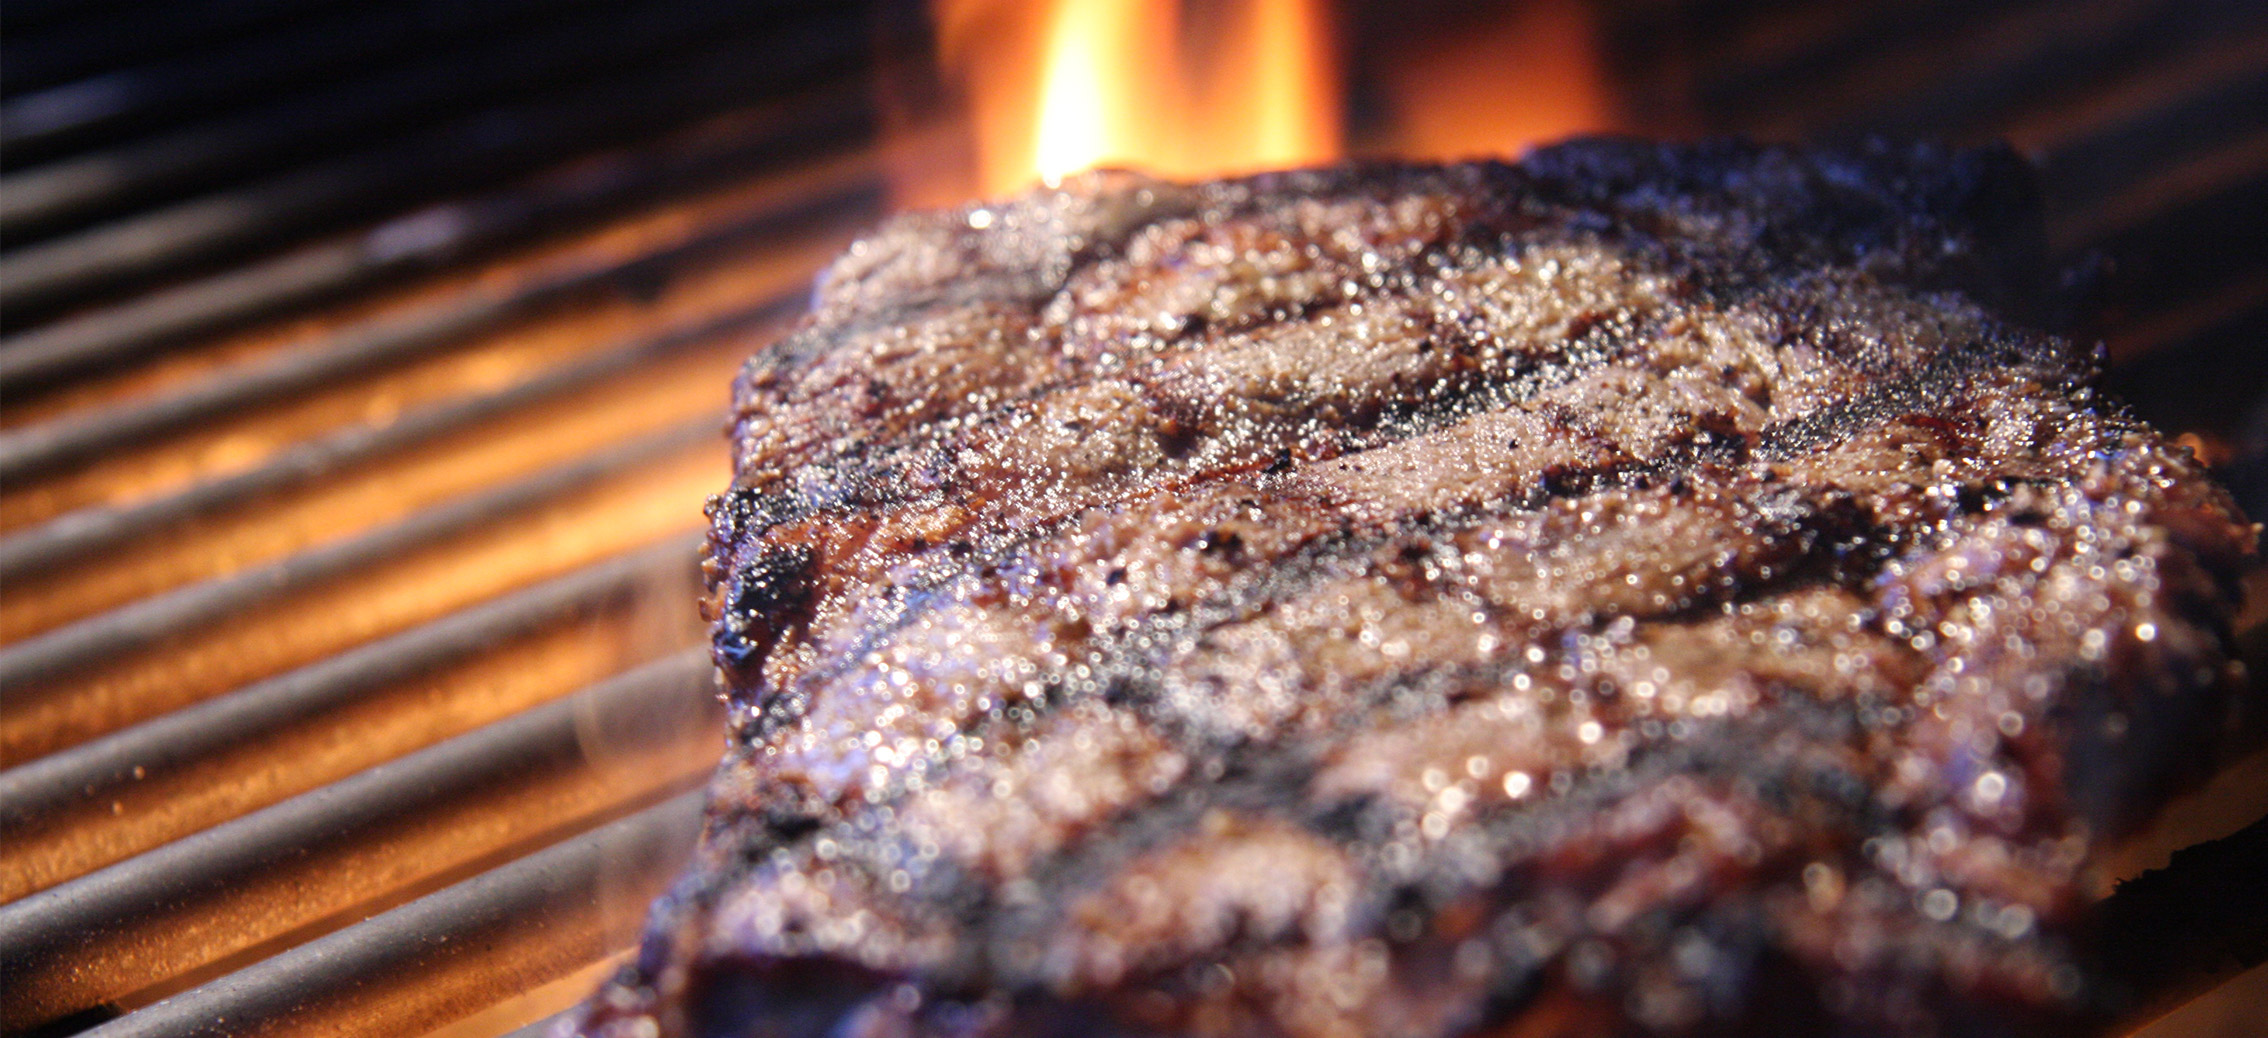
(1193,91)
(1178,90)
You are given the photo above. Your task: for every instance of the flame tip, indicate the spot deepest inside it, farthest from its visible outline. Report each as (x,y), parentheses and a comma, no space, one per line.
(1058,88)
(1067,86)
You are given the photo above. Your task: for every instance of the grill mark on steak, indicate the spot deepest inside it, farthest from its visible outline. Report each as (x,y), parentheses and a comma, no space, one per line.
(865,482)
(737,528)
(1562,483)
(1555,482)
(1127,661)
(1643,590)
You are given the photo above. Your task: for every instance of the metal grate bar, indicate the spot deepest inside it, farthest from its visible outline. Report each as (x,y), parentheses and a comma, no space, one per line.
(37,126)
(45,657)
(540,1028)
(2115,156)
(115,931)
(53,444)
(255,698)
(424,963)
(78,534)
(2009,63)
(456,157)
(205,155)
(766,135)
(107,33)
(38,798)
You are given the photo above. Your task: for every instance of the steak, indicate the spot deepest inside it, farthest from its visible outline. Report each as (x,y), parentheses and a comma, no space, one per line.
(1642,589)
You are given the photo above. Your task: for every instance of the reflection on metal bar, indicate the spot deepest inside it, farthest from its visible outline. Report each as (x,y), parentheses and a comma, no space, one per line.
(198,823)
(457,156)
(42,447)
(88,530)
(667,706)
(99,36)
(147,621)
(198,142)
(764,137)
(91,770)
(503,930)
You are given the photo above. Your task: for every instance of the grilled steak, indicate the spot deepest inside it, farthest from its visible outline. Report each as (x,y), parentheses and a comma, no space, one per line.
(1642,589)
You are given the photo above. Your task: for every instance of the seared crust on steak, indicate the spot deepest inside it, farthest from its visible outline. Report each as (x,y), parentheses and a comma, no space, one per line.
(1641,589)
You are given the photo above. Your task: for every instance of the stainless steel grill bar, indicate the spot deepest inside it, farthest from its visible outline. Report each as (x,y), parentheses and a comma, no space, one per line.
(111,932)
(203,155)
(765,136)
(38,125)
(2090,168)
(91,771)
(197,808)
(55,653)
(39,56)
(2173,264)
(78,534)
(2005,63)
(517,925)
(53,444)
(1939,57)
(459,156)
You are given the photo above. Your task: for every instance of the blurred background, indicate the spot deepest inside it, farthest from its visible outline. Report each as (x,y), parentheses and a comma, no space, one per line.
(363,366)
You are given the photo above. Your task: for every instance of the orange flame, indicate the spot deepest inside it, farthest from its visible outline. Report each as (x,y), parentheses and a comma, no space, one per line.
(1102,56)
(1195,91)
(1188,90)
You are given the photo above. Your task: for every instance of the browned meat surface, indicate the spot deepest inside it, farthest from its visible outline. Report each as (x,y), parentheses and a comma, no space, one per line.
(1640,590)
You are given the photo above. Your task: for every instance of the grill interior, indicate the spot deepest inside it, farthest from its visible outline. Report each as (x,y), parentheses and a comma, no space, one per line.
(361,373)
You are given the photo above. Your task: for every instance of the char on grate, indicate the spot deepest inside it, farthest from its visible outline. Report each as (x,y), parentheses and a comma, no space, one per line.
(361,370)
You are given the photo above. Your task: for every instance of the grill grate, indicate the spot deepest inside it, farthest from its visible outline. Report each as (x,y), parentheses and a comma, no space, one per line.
(361,367)
(364,367)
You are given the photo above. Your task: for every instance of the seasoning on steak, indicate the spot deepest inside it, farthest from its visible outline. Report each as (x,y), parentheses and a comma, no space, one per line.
(1638,590)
